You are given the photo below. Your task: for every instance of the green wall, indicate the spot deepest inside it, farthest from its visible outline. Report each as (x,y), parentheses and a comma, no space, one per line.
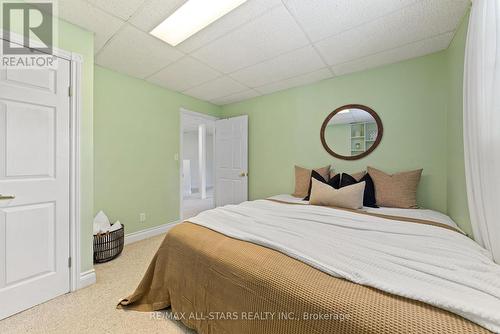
(457,192)
(136,135)
(410,97)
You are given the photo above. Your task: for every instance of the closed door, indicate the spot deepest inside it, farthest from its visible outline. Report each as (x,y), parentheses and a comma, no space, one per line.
(34,183)
(231,160)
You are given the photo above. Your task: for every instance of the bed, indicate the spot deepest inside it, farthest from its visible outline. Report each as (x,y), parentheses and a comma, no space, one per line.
(282,266)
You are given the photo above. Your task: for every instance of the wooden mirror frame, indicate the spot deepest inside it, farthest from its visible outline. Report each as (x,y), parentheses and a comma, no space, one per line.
(380,131)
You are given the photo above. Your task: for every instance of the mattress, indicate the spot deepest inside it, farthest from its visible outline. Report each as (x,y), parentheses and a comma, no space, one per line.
(215,283)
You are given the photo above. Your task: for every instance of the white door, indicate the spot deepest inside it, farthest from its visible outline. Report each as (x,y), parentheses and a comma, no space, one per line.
(231,151)
(34,183)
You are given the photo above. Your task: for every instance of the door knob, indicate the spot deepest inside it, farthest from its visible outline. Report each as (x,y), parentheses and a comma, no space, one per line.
(243,174)
(6,197)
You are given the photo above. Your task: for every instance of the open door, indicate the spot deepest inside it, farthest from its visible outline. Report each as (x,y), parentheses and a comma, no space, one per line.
(231,171)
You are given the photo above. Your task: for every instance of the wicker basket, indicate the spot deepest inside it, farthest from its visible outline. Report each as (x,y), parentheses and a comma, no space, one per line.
(109,245)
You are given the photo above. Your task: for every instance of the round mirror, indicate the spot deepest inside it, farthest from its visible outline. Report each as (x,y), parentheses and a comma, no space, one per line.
(351,132)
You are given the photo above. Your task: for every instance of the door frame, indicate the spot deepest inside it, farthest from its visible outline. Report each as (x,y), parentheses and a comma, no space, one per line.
(77,279)
(184,111)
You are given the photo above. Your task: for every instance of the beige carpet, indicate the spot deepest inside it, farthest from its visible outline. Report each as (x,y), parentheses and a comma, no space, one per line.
(192,205)
(92,310)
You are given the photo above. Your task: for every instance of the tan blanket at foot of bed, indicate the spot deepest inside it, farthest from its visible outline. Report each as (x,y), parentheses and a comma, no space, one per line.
(216,284)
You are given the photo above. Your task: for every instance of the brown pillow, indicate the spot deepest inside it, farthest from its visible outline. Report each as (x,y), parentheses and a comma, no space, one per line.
(397,190)
(350,197)
(303,178)
(358,176)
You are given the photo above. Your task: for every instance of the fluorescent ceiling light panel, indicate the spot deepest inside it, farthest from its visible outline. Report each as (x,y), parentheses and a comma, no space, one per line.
(191,17)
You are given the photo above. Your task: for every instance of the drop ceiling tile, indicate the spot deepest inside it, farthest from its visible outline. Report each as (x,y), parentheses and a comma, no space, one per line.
(300,80)
(241,15)
(153,12)
(184,74)
(237,97)
(215,89)
(288,65)
(272,34)
(90,18)
(422,20)
(341,119)
(136,53)
(121,8)
(323,18)
(409,51)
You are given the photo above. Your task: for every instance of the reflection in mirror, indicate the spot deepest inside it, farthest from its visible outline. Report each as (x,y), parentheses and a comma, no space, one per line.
(351,132)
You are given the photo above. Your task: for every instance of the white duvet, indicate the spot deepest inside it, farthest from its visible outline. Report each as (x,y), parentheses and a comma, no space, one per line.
(427,263)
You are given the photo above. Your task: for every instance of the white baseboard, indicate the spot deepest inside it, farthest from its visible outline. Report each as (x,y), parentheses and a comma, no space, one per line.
(87,278)
(149,232)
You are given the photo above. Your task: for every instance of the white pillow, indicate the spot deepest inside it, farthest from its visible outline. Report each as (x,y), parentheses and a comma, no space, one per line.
(350,197)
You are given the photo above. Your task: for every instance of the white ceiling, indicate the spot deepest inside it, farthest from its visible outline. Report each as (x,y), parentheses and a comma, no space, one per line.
(264,46)
(351,116)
